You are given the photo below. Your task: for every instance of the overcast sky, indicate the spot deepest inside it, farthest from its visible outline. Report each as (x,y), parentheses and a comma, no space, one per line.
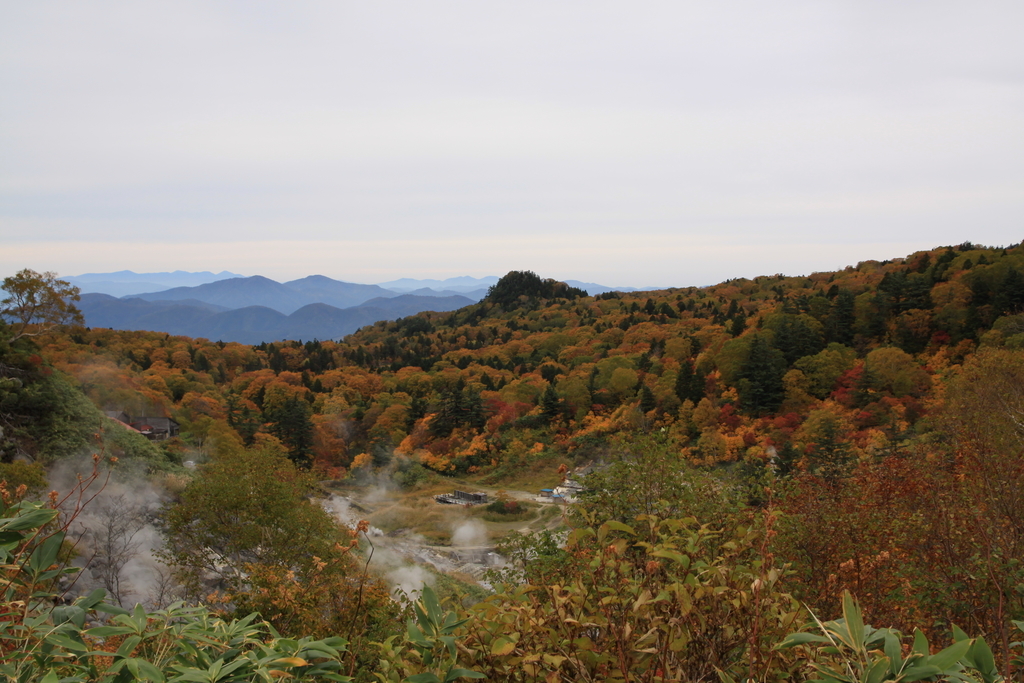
(627,143)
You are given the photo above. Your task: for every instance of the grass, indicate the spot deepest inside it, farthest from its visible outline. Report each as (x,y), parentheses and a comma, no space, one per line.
(525,511)
(541,474)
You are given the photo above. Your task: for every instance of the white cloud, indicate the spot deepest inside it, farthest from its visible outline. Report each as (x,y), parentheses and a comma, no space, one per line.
(454,123)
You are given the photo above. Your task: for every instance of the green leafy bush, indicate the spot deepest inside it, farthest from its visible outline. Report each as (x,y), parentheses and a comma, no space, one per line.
(668,599)
(847,650)
(47,642)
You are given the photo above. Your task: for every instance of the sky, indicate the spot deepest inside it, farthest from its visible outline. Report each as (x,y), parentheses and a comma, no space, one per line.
(628,143)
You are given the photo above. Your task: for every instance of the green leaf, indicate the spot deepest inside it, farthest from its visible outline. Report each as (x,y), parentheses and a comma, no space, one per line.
(878,670)
(433,608)
(74,614)
(414,635)
(462,673)
(63,641)
(146,670)
(9,540)
(107,608)
(139,618)
(214,671)
(337,642)
(918,673)
(951,655)
(91,600)
(830,676)
(128,646)
(33,519)
(801,638)
(107,631)
(502,646)
(982,658)
(894,652)
(233,666)
(423,678)
(921,645)
(45,554)
(613,525)
(674,556)
(854,621)
(192,675)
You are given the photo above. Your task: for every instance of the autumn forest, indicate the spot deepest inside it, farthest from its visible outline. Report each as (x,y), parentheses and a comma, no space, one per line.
(768,457)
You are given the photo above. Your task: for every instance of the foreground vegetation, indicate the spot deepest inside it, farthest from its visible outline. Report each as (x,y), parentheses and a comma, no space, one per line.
(771,446)
(662,600)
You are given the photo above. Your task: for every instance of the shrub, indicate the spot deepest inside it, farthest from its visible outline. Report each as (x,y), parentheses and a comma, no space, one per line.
(668,599)
(505,507)
(44,641)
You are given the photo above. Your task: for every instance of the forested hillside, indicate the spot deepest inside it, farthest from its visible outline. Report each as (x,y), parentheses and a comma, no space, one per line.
(857,430)
(810,369)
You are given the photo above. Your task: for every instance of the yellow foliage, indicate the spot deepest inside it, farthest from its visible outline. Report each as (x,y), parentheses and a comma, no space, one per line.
(797,387)
(407,447)
(735,446)
(438,463)
(477,446)
(705,415)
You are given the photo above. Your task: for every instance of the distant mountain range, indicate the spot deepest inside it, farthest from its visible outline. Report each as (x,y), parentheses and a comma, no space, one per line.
(285,297)
(125,282)
(253,324)
(229,307)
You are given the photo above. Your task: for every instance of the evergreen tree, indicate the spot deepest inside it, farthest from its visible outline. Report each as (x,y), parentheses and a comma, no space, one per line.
(517,283)
(291,423)
(243,419)
(200,363)
(738,324)
(840,322)
(549,372)
(471,409)
(685,382)
(550,404)
(795,337)
(647,400)
(1009,296)
(446,416)
(277,361)
(667,311)
(760,385)
(417,409)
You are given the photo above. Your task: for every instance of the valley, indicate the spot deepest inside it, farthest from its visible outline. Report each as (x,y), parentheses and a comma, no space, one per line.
(847,433)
